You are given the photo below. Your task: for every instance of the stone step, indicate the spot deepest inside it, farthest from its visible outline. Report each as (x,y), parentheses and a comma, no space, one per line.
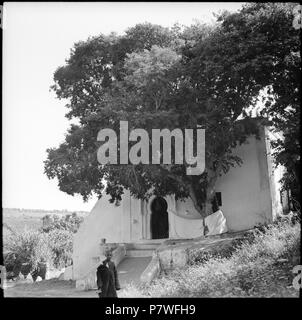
(150,241)
(142,246)
(139,253)
(130,269)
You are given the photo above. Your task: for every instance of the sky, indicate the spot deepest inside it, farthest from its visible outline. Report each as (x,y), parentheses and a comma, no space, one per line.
(37,38)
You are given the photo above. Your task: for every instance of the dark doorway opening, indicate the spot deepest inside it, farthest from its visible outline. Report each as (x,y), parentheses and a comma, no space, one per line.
(159,219)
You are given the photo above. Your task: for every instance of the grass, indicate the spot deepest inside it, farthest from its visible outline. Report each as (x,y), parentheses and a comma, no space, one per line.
(260,266)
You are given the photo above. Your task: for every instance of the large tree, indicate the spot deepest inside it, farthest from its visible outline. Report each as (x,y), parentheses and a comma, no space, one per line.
(154,77)
(264,51)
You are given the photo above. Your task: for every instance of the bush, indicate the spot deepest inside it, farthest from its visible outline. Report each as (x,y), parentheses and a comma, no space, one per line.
(199,256)
(27,247)
(61,244)
(31,247)
(60,234)
(68,222)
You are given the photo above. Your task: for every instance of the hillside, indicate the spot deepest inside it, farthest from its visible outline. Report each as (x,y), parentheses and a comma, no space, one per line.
(259,266)
(19,219)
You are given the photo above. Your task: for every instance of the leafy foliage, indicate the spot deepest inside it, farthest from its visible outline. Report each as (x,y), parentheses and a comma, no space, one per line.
(154,77)
(53,243)
(28,247)
(67,222)
(266,54)
(61,245)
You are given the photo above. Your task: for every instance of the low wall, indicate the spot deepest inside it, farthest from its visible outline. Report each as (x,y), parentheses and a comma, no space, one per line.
(176,253)
(68,273)
(88,282)
(152,271)
(118,254)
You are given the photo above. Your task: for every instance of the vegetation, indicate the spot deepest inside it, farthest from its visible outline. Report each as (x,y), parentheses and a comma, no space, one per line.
(182,77)
(267,55)
(18,219)
(52,243)
(261,266)
(69,222)
(27,247)
(61,246)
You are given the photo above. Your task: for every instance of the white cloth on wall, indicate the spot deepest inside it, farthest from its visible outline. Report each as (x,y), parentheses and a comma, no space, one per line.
(216,223)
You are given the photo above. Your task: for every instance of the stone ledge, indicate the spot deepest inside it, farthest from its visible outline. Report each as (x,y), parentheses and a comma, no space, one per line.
(89,281)
(152,270)
(176,253)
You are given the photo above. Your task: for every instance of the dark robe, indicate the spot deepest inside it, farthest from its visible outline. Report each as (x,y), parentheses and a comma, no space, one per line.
(107,280)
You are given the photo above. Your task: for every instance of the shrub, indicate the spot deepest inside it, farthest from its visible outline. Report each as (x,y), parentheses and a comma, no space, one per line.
(68,222)
(60,244)
(28,247)
(31,247)
(199,256)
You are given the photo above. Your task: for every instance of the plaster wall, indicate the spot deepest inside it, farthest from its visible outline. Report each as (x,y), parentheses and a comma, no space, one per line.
(249,196)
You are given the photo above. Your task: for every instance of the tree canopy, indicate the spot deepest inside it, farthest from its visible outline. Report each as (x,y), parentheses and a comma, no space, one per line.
(183,77)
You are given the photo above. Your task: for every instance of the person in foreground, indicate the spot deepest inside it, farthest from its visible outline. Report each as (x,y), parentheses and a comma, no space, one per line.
(107,278)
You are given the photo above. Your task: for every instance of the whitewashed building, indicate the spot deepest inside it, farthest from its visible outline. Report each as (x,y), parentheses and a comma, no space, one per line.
(249,195)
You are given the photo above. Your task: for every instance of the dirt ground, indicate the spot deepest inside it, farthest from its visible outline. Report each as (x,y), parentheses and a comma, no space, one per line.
(49,288)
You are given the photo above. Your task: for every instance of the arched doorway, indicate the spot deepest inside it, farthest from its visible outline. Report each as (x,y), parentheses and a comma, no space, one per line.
(159,219)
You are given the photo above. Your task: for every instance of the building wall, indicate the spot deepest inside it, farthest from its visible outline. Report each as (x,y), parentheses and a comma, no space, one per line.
(105,221)
(250,192)
(245,189)
(249,197)
(136,218)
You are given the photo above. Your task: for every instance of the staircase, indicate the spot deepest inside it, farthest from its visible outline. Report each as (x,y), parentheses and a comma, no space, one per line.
(137,258)
(130,269)
(130,264)
(141,249)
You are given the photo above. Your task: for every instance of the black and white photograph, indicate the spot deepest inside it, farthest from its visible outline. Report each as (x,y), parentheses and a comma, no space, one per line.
(151,150)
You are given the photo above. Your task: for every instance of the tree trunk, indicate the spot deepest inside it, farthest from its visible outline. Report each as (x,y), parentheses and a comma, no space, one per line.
(205,209)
